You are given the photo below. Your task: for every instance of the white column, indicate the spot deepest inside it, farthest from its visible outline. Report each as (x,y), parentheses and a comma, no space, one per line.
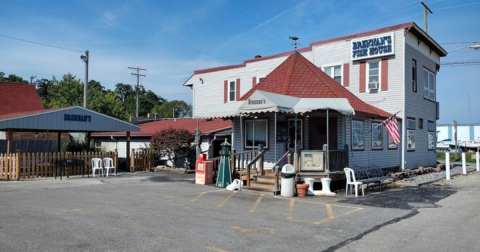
(478,165)
(447,165)
(464,166)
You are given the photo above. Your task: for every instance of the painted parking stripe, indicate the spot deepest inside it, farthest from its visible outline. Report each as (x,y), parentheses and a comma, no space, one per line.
(198,197)
(330,211)
(257,202)
(291,206)
(227,199)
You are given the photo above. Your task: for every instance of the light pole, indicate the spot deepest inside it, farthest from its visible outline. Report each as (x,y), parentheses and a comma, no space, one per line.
(474,47)
(85,88)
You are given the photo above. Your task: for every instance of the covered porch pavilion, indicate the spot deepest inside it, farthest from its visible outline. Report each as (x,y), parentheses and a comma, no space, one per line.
(60,120)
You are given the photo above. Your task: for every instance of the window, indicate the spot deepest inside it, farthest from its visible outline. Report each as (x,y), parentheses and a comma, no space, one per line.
(231,91)
(335,72)
(428,85)
(377,136)
(260,79)
(357,135)
(411,123)
(411,140)
(431,126)
(420,123)
(414,75)
(256,132)
(431,135)
(291,133)
(373,72)
(391,144)
(431,140)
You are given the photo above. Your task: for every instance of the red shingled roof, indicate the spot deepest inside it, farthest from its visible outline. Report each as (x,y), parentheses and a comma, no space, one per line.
(18,97)
(148,129)
(298,77)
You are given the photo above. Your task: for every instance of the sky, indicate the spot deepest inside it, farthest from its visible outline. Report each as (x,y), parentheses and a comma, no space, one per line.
(173,38)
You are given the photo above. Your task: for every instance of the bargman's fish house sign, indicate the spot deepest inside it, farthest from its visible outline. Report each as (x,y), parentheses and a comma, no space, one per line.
(77,118)
(371,47)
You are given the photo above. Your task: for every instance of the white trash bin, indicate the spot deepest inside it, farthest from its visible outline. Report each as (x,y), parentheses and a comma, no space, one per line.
(288,181)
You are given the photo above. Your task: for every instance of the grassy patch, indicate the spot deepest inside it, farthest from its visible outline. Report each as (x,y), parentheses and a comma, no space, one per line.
(470,157)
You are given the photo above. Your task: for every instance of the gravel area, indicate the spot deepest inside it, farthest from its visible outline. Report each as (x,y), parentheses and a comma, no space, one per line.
(433,176)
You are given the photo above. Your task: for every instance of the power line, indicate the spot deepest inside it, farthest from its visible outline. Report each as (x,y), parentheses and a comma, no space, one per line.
(38,43)
(138,80)
(455,43)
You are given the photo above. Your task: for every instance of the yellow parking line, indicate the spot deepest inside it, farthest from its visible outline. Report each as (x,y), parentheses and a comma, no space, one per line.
(198,197)
(330,211)
(227,199)
(186,194)
(254,207)
(290,209)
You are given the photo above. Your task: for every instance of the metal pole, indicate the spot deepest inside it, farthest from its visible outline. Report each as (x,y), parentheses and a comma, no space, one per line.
(275,139)
(85,58)
(447,165)
(328,143)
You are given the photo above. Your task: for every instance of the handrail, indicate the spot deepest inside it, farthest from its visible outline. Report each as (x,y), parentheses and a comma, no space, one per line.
(281,159)
(277,185)
(259,156)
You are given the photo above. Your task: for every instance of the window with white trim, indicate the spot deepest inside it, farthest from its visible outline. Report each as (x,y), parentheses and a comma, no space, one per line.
(231,91)
(256,132)
(431,135)
(373,71)
(391,143)
(411,123)
(335,72)
(377,136)
(414,75)
(428,85)
(358,142)
(410,139)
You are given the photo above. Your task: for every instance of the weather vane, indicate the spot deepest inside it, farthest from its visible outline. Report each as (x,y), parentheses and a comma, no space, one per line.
(294,38)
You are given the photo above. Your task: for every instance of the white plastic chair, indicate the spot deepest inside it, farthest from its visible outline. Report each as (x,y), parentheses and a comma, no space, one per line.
(351,181)
(96,165)
(108,164)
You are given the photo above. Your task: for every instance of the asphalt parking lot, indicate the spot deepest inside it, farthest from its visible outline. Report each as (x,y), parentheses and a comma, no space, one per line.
(167,212)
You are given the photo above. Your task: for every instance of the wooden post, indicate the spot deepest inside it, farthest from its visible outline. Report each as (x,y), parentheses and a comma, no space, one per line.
(232,161)
(59,141)
(89,139)
(132,163)
(127,152)
(9,141)
(260,149)
(17,168)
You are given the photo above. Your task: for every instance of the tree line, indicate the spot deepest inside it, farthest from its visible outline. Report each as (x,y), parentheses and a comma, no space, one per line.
(119,103)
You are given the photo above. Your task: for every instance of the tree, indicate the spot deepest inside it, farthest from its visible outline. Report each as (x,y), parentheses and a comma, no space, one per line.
(172,143)
(182,109)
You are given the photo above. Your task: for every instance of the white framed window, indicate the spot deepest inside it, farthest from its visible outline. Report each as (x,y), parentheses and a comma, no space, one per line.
(431,140)
(428,85)
(232,95)
(373,75)
(358,142)
(291,133)
(256,132)
(411,124)
(335,72)
(377,136)
(414,75)
(410,139)
(391,145)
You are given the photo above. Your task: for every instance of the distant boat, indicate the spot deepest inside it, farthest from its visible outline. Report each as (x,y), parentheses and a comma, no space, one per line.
(445,145)
(472,145)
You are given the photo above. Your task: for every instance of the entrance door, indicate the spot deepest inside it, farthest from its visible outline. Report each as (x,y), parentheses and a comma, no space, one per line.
(318,133)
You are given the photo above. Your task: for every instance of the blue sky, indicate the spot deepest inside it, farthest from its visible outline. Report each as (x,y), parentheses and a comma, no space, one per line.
(173,38)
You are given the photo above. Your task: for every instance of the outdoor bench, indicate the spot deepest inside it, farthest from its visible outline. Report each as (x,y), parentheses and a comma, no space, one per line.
(371,175)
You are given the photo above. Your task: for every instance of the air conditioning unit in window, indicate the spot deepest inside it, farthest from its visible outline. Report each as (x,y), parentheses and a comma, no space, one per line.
(373,86)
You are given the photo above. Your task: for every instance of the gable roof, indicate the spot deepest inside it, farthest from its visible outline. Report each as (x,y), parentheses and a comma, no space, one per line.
(18,97)
(410,26)
(148,129)
(298,77)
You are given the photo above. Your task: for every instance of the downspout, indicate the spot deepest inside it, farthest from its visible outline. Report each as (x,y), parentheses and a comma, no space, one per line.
(402,165)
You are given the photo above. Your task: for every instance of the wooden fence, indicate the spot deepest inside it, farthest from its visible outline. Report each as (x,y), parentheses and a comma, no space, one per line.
(16,166)
(142,160)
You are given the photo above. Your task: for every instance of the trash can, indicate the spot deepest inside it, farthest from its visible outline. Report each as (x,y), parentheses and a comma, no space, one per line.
(288,181)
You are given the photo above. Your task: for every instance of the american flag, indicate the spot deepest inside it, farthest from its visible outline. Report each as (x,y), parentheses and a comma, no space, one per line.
(392,128)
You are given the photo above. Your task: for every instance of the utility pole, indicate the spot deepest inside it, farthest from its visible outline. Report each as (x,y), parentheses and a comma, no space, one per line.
(85,87)
(425,13)
(31,79)
(138,81)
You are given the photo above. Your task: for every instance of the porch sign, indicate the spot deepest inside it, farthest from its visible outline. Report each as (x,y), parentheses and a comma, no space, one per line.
(312,160)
